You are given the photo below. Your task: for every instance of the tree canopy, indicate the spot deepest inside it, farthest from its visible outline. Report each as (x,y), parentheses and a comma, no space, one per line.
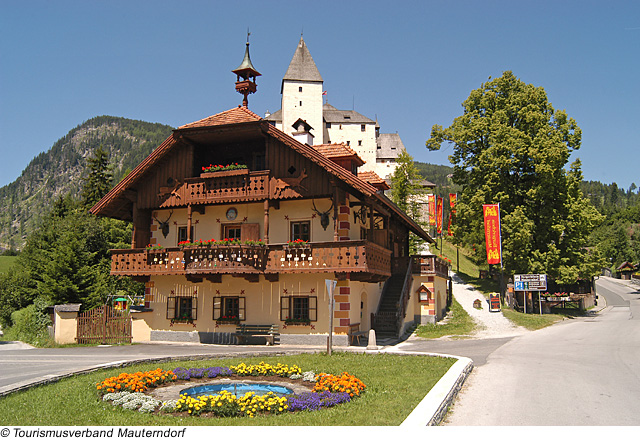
(511,147)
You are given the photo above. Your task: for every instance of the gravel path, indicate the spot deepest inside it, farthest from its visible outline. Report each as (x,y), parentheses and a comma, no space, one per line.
(491,324)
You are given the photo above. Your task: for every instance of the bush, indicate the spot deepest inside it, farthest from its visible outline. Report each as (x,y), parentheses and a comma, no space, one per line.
(30,324)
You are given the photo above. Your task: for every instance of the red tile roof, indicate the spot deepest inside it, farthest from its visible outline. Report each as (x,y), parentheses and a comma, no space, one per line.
(234,116)
(372,178)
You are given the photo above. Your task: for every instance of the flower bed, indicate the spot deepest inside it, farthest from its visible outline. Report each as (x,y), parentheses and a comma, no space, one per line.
(127,390)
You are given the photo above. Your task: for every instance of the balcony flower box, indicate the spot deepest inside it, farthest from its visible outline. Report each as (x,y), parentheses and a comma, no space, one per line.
(228,320)
(224,170)
(293,321)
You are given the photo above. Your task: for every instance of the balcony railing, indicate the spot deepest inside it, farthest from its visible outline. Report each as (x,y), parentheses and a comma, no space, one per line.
(350,257)
(430,265)
(222,186)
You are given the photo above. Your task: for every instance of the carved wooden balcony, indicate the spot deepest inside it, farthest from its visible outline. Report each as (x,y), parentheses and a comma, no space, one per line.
(363,260)
(220,187)
(430,265)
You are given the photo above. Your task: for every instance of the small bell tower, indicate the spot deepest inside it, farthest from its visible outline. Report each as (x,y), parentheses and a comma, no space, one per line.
(246,76)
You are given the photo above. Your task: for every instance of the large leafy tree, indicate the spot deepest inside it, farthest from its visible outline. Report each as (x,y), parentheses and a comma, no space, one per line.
(511,147)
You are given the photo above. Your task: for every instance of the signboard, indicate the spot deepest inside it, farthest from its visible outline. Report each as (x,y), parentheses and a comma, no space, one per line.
(492,233)
(530,282)
(557,298)
(494,302)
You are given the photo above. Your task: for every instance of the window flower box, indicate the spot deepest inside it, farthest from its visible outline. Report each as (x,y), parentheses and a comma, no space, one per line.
(294,321)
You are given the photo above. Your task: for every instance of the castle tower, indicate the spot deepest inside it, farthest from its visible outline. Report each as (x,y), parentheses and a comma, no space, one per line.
(302,93)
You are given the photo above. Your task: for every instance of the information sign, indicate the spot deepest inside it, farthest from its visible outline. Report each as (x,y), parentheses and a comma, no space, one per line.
(530,282)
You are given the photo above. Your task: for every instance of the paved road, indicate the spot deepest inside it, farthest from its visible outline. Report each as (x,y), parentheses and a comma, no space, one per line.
(21,365)
(580,372)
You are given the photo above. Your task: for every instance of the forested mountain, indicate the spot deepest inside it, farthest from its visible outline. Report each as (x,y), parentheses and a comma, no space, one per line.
(59,171)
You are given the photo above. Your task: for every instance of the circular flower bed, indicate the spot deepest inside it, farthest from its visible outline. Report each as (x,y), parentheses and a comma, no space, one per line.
(128,390)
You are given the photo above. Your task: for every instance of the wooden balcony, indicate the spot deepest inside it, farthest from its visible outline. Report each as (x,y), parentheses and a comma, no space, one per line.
(221,186)
(430,265)
(363,260)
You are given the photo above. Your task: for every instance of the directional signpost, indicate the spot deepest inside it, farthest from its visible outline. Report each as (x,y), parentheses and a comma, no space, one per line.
(529,283)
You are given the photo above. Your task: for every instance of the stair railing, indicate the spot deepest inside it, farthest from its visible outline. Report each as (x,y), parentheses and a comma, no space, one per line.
(404,297)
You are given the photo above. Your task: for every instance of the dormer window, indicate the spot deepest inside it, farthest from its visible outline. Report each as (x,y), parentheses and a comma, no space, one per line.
(347,117)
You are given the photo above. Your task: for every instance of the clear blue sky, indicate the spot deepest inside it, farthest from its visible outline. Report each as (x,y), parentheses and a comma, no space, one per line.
(409,63)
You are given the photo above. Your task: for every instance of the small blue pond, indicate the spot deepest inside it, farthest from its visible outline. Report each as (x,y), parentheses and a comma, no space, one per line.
(239,389)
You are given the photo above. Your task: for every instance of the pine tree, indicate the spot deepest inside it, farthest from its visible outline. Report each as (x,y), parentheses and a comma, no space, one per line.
(98,181)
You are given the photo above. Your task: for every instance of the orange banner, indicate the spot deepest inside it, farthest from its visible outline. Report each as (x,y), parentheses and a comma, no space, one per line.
(439,215)
(452,210)
(492,233)
(432,209)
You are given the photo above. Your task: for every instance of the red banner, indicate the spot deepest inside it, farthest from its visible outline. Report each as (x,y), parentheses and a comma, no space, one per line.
(439,215)
(492,233)
(432,209)
(452,210)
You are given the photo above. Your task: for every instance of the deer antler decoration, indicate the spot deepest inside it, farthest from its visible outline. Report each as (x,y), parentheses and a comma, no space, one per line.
(164,225)
(324,216)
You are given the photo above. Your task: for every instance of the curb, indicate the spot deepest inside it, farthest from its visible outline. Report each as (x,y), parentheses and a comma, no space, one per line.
(433,408)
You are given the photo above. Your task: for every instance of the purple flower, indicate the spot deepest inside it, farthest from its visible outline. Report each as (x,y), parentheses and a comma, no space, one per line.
(313,401)
(216,371)
(181,373)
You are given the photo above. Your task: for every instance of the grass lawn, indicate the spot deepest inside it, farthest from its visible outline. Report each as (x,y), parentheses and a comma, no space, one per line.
(531,321)
(6,262)
(459,324)
(395,385)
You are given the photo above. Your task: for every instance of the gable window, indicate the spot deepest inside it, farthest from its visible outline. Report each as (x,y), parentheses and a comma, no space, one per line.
(182,307)
(301,230)
(299,309)
(229,308)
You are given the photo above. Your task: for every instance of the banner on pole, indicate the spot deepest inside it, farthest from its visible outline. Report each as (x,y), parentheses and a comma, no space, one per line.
(492,233)
(439,215)
(431,199)
(452,210)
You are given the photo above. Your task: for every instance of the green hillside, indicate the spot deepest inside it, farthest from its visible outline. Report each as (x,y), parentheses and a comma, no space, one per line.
(59,171)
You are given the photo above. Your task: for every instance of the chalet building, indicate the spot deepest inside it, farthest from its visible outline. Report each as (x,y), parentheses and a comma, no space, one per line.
(237,222)
(302,92)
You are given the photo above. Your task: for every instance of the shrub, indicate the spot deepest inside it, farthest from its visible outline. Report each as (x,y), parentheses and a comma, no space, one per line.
(30,324)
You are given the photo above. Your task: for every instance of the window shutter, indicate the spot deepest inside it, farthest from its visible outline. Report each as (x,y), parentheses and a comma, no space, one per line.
(194,307)
(250,231)
(313,308)
(171,307)
(284,308)
(217,306)
(241,308)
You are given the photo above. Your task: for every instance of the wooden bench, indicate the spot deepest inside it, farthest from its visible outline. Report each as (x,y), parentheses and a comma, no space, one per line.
(355,334)
(267,331)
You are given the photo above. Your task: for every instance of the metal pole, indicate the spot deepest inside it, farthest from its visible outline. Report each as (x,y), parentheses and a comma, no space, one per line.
(539,303)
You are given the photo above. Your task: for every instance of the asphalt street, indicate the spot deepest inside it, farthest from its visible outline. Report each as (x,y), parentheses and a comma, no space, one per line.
(580,372)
